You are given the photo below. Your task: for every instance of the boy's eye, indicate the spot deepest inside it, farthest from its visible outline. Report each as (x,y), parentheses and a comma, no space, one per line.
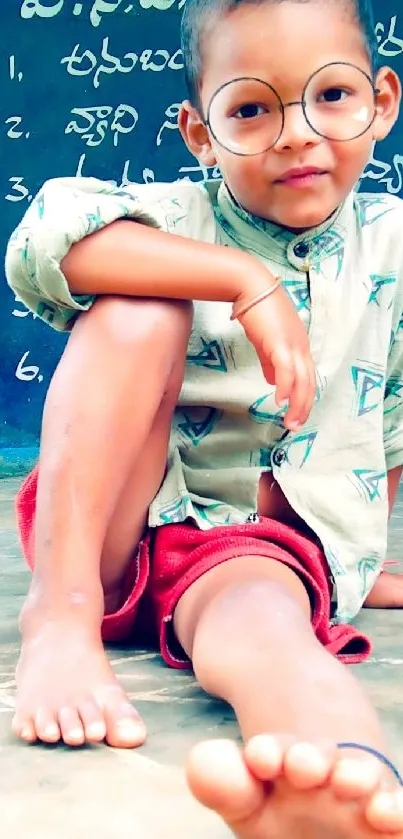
(250,110)
(333,94)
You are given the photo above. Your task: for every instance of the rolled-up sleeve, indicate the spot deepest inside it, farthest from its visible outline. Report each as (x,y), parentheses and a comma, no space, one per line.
(393,404)
(64,212)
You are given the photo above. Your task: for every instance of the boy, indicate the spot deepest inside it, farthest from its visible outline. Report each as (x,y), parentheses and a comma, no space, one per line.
(192,497)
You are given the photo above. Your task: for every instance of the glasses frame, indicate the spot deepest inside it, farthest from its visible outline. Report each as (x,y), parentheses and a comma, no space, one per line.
(283,106)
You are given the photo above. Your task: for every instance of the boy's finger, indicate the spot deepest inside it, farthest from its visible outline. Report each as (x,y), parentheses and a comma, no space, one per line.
(312,388)
(284,374)
(310,393)
(300,399)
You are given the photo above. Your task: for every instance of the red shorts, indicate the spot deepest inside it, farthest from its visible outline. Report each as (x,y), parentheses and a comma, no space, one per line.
(172,557)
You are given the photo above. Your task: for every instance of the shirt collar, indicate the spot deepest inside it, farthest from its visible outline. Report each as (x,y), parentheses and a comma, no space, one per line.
(276,243)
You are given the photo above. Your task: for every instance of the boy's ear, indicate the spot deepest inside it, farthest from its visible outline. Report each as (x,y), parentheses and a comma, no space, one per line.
(387,102)
(195,134)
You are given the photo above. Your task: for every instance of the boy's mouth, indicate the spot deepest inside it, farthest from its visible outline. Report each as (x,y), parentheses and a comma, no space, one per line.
(301,176)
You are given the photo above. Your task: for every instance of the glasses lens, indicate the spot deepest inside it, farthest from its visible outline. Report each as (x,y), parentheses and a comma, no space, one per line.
(339,102)
(245,116)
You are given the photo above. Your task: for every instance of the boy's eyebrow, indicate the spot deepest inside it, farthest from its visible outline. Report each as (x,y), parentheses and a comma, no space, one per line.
(311,75)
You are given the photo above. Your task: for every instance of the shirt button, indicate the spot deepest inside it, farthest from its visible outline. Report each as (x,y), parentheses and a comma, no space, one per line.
(301,250)
(279,456)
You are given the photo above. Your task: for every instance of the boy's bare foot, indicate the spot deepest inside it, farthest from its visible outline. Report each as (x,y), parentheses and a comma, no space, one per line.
(387,592)
(282,788)
(67,690)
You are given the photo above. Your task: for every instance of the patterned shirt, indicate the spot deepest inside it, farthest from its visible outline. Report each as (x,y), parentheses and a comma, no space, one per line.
(346,281)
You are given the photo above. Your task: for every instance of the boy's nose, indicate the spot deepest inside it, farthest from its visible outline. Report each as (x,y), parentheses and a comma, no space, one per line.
(296,130)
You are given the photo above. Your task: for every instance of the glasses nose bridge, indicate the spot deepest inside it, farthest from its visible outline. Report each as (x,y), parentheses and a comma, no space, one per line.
(292,104)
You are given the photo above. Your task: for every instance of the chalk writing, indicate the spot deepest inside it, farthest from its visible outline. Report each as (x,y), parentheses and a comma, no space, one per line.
(389,175)
(12,131)
(123,181)
(83,63)
(32,8)
(195,172)
(11,69)
(159,60)
(172,112)
(18,190)
(391,46)
(207,173)
(24,312)
(96,122)
(27,372)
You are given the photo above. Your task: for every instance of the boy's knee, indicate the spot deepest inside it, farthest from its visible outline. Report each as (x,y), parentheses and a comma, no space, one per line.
(130,322)
(244,619)
(137,337)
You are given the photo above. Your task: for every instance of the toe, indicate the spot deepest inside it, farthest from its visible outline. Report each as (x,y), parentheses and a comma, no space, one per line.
(219,778)
(93,721)
(71,727)
(384,812)
(264,755)
(46,726)
(24,727)
(353,778)
(124,727)
(307,766)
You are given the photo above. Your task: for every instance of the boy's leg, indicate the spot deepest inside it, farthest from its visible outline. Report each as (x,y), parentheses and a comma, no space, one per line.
(386,593)
(103,455)
(246,627)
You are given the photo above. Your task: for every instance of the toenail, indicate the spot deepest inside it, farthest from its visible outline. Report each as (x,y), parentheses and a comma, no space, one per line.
(388,802)
(96,729)
(266,746)
(375,753)
(132,724)
(269,741)
(129,727)
(349,767)
(306,751)
(51,730)
(75,734)
(26,733)
(397,801)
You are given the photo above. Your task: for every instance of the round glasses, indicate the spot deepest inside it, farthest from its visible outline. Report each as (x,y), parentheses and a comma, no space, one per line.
(246,116)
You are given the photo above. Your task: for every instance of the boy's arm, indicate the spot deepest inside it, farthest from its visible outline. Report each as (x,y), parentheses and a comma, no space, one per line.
(131,259)
(75,242)
(70,247)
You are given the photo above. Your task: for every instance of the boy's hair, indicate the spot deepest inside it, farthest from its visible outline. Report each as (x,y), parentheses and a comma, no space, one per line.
(198,14)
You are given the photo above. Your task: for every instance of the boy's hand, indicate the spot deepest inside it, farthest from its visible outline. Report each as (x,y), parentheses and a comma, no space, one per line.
(281,342)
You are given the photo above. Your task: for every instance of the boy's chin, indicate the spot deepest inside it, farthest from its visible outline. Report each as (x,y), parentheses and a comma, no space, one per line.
(298,221)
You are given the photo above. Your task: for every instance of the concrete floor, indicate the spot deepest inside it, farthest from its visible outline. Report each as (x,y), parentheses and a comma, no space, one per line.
(49,792)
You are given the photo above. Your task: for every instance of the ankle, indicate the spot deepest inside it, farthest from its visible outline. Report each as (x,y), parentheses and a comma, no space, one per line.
(80,607)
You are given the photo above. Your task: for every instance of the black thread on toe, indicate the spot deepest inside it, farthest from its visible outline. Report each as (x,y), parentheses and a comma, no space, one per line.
(383,759)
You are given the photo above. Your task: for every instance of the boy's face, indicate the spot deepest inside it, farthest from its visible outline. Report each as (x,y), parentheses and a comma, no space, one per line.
(284,45)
